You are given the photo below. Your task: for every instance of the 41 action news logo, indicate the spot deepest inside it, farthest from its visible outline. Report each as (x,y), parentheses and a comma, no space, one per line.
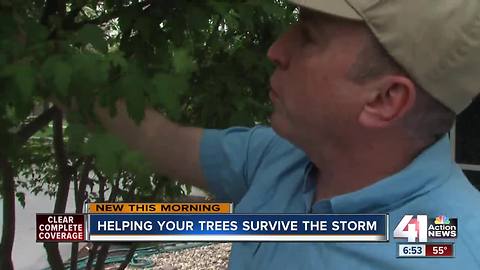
(420,228)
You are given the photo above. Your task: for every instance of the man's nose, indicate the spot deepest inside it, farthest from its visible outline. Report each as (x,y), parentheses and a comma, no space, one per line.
(279,52)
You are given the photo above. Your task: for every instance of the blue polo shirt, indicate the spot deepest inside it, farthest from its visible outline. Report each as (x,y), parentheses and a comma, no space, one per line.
(261,172)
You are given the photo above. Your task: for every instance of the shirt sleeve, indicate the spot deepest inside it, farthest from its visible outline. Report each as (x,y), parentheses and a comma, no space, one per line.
(228,156)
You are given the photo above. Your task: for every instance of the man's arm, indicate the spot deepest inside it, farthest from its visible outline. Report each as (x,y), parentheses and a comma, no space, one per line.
(173,150)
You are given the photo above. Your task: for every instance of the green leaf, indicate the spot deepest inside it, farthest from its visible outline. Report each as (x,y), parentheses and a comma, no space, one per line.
(246,12)
(167,91)
(90,70)
(198,17)
(111,3)
(126,18)
(241,118)
(183,62)
(133,90)
(153,58)
(145,27)
(35,32)
(59,72)
(137,164)
(107,150)
(3,60)
(117,59)
(63,74)
(21,198)
(220,7)
(8,25)
(92,34)
(24,78)
(232,21)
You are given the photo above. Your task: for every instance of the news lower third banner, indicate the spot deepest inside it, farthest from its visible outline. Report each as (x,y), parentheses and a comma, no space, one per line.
(204,222)
(237,227)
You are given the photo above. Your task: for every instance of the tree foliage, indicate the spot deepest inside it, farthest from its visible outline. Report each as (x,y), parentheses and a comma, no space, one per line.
(199,62)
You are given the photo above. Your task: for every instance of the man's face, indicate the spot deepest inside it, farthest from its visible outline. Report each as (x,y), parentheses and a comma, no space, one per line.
(311,92)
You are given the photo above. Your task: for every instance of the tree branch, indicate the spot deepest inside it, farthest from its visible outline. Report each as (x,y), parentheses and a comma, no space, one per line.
(49,9)
(62,7)
(82,186)
(102,181)
(115,189)
(38,123)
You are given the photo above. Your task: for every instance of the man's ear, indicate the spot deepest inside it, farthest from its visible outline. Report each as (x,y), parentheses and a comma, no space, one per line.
(390,99)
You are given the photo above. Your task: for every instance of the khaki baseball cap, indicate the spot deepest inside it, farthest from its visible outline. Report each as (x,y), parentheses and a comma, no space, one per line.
(436,41)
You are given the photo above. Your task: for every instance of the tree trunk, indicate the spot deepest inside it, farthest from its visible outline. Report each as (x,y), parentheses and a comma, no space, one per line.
(74,256)
(102,256)
(8,191)
(79,199)
(8,232)
(129,257)
(62,165)
(54,258)
(91,256)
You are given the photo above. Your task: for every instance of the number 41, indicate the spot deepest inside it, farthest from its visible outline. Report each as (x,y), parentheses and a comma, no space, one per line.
(412,228)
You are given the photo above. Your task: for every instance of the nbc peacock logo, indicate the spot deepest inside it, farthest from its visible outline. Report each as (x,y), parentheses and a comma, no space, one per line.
(442,220)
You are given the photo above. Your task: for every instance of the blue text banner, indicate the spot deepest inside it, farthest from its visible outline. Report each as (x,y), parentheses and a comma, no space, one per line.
(237,227)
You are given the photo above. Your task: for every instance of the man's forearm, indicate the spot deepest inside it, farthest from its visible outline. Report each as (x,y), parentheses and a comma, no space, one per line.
(172,149)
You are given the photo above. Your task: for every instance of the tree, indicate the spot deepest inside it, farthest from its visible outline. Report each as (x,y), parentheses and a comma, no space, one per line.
(199,62)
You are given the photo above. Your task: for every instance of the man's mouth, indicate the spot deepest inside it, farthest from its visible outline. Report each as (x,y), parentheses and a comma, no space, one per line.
(273,94)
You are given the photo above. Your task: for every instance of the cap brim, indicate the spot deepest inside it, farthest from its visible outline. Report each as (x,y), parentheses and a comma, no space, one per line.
(338,8)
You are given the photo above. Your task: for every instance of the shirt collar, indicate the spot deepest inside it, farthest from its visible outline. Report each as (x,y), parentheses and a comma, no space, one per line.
(428,170)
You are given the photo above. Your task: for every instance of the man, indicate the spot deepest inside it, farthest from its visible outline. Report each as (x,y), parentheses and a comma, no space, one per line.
(364,93)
